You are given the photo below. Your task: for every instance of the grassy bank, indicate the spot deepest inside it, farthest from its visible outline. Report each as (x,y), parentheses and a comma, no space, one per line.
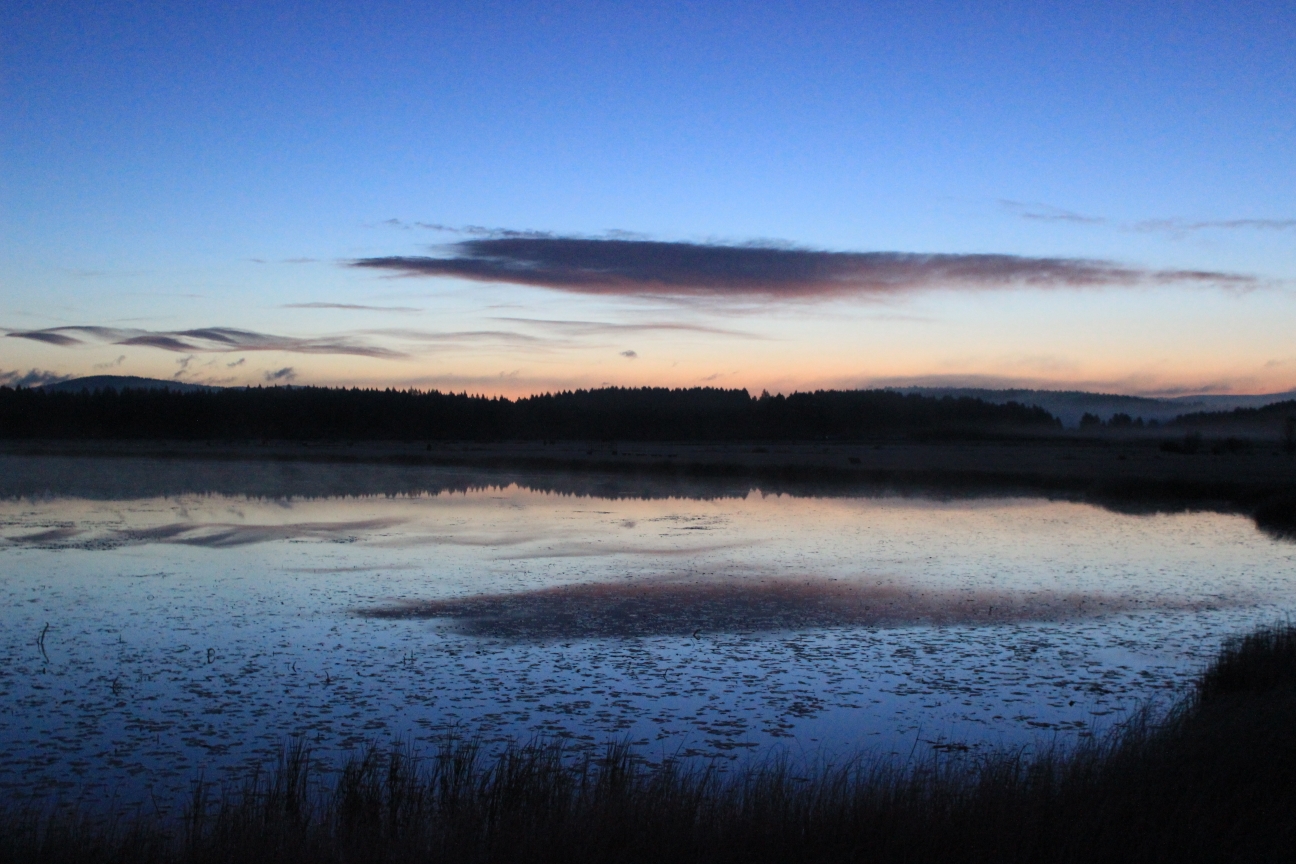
(1213,781)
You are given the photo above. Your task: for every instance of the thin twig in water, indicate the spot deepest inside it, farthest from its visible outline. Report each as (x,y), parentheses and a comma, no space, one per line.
(40,642)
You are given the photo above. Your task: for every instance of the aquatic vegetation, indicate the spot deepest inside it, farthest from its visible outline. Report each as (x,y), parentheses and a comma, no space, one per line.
(192,632)
(1211,780)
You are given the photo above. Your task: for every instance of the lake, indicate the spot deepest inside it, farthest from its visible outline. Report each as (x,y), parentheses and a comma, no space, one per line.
(164,619)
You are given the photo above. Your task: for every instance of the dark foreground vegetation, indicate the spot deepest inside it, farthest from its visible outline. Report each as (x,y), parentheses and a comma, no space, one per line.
(610,414)
(1213,781)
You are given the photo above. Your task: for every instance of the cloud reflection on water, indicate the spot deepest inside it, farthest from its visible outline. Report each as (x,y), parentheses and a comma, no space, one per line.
(224,535)
(201,611)
(677,608)
(598,549)
(53,535)
(215,535)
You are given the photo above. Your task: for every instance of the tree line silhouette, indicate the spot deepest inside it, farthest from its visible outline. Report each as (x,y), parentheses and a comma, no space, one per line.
(1119,420)
(607,414)
(1274,413)
(1276,416)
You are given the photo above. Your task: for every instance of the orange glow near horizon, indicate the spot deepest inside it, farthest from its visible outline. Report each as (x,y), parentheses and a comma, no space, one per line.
(1136,342)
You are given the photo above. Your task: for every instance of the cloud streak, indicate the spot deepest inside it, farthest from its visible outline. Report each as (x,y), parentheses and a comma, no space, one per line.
(30,378)
(121,358)
(48,337)
(1183,226)
(353,307)
(1037,212)
(1049,213)
(648,268)
(204,340)
(602,328)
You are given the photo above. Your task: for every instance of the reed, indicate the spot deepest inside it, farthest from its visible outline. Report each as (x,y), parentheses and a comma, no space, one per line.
(1215,779)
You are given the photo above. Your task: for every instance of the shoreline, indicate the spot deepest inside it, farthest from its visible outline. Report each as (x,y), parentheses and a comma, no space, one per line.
(1131,474)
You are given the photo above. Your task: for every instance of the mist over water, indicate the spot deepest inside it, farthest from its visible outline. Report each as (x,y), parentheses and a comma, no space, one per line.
(193,626)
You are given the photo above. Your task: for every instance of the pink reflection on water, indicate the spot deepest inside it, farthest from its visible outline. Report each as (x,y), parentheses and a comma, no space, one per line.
(673,608)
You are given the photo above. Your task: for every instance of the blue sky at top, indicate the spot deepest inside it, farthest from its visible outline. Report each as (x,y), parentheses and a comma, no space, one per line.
(154,154)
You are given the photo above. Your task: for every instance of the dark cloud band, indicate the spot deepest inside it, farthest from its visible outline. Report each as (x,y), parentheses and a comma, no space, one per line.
(205,340)
(615,266)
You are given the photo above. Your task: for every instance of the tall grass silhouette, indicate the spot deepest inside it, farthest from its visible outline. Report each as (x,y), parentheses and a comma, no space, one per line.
(1214,779)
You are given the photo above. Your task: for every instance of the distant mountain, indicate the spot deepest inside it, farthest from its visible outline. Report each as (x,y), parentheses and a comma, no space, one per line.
(1070,405)
(123,382)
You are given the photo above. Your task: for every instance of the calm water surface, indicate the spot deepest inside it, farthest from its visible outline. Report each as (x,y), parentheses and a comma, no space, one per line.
(194,632)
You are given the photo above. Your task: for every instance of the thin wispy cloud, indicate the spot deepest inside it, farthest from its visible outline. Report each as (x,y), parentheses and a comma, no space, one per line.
(468,230)
(604,328)
(1038,212)
(204,340)
(512,382)
(1147,385)
(646,268)
(121,358)
(30,378)
(459,337)
(351,307)
(1183,226)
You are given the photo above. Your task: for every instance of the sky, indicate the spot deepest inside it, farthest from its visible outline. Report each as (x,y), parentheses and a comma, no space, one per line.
(511,198)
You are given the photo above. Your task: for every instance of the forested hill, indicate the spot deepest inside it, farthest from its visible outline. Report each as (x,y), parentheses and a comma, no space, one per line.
(1272,415)
(610,414)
